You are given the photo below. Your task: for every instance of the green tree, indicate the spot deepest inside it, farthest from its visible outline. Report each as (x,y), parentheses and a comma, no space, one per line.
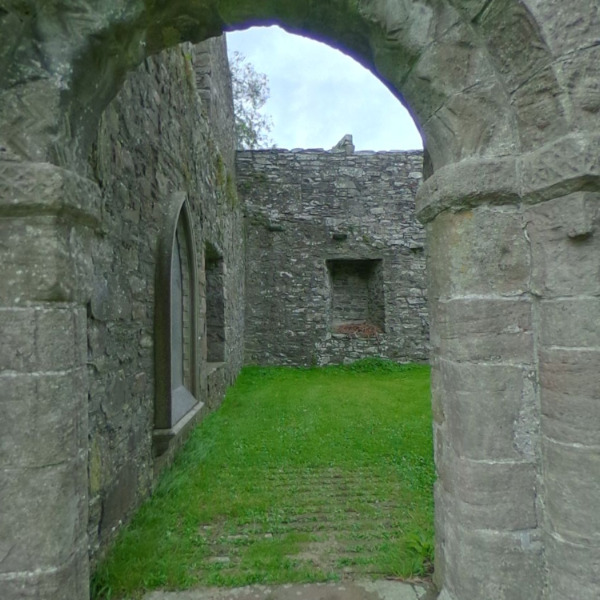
(250,92)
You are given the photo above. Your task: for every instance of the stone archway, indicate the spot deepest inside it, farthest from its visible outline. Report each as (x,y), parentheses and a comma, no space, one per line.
(506,95)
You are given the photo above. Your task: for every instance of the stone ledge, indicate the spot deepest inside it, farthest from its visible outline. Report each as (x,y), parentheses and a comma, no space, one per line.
(561,167)
(53,497)
(466,184)
(32,189)
(349,590)
(165,442)
(212,367)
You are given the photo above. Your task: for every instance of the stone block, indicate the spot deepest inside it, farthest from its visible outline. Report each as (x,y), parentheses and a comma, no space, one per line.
(215,386)
(573,570)
(44,514)
(67,581)
(565,245)
(482,330)
(485,495)
(96,472)
(560,168)
(487,564)
(571,322)
(513,41)
(118,398)
(490,411)
(440,519)
(471,8)
(30,114)
(120,499)
(18,348)
(36,261)
(437,392)
(479,251)
(570,395)
(40,339)
(572,491)
(60,339)
(568,28)
(582,72)
(538,106)
(479,105)
(44,418)
(466,66)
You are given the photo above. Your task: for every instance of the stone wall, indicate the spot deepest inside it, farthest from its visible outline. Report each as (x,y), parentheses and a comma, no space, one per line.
(335,268)
(158,138)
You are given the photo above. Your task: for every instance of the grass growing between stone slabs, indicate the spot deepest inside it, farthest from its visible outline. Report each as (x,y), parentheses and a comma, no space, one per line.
(302,475)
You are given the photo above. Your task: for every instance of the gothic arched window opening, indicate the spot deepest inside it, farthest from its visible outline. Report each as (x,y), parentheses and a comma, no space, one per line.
(176,326)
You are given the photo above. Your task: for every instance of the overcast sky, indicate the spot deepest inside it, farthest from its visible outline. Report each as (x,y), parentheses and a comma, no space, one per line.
(319,94)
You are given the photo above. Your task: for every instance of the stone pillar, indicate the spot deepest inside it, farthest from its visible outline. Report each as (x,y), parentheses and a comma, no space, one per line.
(484,392)
(47,215)
(514,286)
(565,243)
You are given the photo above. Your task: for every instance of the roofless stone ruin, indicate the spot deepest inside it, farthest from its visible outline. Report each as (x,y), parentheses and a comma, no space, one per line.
(129,299)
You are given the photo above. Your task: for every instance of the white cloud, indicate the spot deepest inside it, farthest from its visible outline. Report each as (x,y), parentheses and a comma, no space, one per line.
(318,94)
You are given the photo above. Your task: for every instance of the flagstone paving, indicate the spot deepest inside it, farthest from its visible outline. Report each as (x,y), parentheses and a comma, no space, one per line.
(356,590)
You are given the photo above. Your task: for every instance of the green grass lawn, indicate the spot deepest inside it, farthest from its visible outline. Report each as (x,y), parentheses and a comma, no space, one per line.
(302,475)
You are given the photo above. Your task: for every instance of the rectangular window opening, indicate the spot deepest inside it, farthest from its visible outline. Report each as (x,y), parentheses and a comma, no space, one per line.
(215,305)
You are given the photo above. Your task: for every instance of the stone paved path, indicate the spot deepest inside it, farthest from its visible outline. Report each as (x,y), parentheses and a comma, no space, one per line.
(357,590)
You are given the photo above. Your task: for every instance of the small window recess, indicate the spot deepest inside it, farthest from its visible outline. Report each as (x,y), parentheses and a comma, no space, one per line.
(215,307)
(176,327)
(357,306)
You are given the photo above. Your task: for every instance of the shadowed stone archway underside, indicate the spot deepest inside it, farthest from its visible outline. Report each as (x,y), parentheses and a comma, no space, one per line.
(506,94)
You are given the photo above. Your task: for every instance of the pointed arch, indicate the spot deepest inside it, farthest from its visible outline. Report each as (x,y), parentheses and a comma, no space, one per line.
(177,396)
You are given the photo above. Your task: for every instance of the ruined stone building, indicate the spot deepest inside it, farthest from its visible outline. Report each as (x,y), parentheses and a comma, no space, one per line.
(130,295)
(176,300)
